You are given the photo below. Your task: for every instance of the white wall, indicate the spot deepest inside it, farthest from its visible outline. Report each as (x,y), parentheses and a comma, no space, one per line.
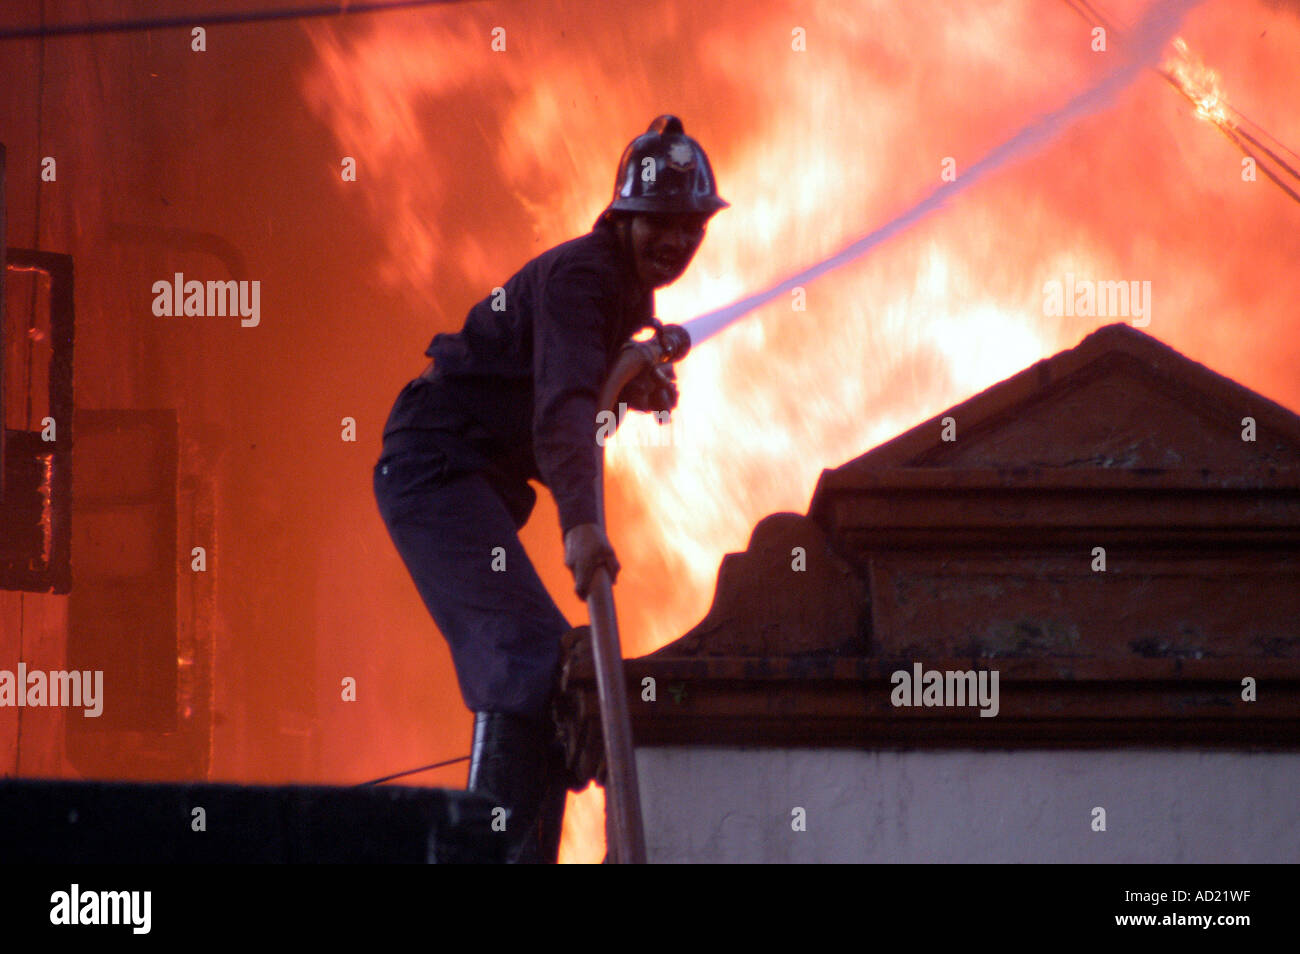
(735,805)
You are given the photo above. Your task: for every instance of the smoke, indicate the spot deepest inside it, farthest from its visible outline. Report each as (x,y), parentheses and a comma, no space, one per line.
(1143,47)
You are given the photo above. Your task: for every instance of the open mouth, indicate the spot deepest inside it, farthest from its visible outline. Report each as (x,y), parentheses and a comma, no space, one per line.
(668,264)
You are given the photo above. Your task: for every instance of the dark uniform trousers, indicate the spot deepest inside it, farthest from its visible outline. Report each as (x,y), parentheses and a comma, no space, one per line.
(454,518)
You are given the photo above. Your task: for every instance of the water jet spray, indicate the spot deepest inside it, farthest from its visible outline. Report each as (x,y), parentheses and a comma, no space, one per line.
(1153,33)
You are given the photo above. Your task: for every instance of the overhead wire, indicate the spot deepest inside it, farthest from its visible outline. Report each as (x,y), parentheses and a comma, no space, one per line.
(341,8)
(414,771)
(1232,131)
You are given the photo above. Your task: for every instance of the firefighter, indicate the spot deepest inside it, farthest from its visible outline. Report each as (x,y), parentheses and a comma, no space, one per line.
(512,397)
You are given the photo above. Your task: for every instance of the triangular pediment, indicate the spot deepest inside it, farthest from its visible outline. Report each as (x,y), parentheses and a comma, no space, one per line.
(1119,400)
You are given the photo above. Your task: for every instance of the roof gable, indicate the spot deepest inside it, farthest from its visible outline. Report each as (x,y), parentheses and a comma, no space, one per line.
(1120,399)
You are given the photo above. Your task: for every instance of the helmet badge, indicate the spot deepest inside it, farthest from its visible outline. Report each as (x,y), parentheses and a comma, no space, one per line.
(681,157)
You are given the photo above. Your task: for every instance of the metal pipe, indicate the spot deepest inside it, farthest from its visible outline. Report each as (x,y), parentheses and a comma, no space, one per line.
(622,794)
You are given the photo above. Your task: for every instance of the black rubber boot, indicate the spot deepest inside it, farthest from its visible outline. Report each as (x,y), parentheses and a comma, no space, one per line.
(515,759)
(551,811)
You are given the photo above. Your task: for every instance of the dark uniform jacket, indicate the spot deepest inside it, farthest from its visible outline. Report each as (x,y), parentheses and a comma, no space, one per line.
(514,392)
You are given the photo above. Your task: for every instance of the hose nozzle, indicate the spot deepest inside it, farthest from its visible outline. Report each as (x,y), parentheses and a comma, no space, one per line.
(674,342)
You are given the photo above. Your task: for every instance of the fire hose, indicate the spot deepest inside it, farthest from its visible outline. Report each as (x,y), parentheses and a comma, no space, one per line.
(622,794)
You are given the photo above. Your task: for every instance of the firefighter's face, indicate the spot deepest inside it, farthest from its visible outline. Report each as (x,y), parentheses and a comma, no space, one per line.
(663,245)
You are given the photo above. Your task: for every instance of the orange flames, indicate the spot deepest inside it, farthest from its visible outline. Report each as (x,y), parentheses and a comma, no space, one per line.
(475,159)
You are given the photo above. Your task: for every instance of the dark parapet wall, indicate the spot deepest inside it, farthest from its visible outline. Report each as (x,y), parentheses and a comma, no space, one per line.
(57,822)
